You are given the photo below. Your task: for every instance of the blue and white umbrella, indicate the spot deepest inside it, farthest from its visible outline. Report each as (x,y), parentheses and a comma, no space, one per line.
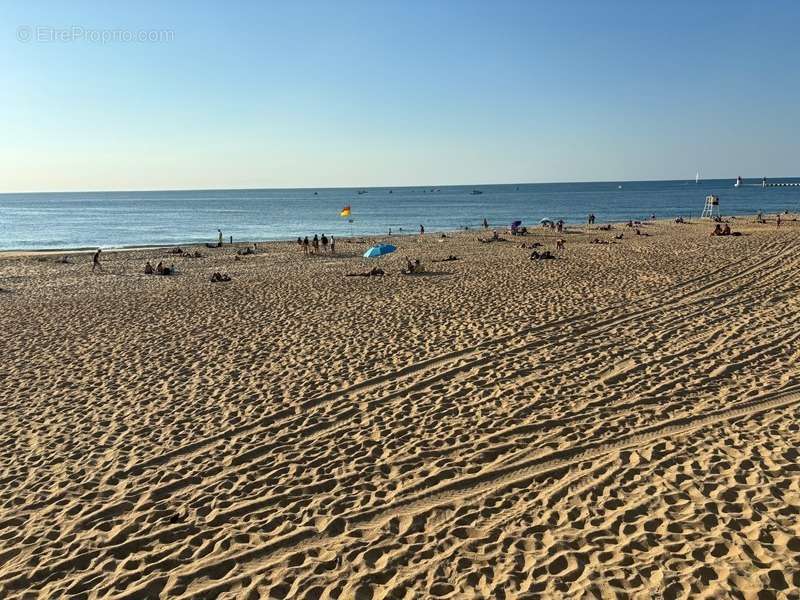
(379,250)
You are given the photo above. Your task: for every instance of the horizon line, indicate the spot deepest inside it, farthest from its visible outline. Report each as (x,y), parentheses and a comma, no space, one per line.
(396,187)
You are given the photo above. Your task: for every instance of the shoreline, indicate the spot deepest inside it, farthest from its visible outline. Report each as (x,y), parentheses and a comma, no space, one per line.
(14,253)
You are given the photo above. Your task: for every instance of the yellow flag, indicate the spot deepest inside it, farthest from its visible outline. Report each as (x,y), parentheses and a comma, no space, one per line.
(345,211)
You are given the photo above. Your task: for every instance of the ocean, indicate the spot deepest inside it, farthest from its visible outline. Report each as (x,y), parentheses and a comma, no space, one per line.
(119,219)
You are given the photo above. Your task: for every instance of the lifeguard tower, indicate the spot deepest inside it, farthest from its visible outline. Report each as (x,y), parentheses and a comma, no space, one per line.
(711,208)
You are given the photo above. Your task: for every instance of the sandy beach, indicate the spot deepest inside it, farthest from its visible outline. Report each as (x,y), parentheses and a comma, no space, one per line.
(620,422)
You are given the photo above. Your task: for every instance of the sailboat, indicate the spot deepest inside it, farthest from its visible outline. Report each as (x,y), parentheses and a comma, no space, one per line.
(738,182)
(697,177)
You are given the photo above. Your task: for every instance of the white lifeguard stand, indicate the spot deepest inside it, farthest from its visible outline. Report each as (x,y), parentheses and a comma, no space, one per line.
(711,208)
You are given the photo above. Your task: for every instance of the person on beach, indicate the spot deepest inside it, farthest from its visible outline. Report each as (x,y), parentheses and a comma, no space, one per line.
(485,223)
(96,261)
(324,243)
(374,272)
(333,245)
(148,268)
(315,244)
(305,246)
(778,221)
(300,242)
(412,268)
(421,229)
(219,238)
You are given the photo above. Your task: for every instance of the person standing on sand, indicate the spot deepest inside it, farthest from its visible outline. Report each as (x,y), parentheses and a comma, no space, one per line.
(96,261)
(485,223)
(315,244)
(333,245)
(778,221)
(421,229)
(305,245)
(324,243)
(219,239)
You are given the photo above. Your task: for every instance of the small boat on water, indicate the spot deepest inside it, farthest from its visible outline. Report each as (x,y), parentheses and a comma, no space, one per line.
(362,192)
(476,192)
(697,178)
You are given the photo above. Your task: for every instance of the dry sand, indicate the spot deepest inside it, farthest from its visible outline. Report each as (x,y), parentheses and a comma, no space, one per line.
(620,422)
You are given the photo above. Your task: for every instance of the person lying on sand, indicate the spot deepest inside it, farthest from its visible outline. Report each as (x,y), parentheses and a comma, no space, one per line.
(495,238)
(217,277)
(599,241)
(606,227)
(618,236)
(64,260)
(373,272)
(530,246)
(545,255)
(448,259)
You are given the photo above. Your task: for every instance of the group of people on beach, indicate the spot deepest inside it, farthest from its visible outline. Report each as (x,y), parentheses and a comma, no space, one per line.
(159,269)
(719,229)
(317,245)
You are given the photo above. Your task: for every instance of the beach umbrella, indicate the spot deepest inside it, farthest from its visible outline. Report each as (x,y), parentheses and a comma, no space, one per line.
(379,250)
(546,221)
(516,223)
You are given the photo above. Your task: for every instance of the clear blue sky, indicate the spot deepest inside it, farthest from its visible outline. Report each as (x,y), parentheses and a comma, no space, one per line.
(341,93)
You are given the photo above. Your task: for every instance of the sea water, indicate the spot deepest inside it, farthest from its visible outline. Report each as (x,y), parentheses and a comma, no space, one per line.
(119,219)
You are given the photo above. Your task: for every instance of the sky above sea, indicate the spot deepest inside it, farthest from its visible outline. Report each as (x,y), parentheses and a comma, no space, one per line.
(191,95)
